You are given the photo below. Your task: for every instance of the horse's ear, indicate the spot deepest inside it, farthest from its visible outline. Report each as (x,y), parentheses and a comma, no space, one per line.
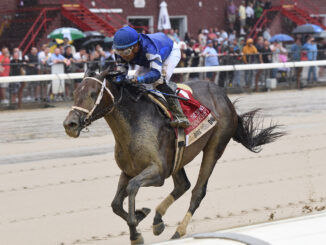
(90,73)
(103,74)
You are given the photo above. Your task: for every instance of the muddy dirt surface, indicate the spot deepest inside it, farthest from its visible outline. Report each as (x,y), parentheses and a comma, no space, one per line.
(58,190)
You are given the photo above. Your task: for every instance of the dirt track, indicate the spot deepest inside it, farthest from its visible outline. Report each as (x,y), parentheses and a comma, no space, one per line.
(57,190)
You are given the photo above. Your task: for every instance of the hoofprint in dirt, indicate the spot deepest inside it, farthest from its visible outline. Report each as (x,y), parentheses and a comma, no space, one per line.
(49,195)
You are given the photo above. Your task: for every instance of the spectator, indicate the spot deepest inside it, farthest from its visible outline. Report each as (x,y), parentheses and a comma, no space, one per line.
(109,60)
(224,37)
(57,57)
(176,35)
(283,57)
(241,44)
(276,50)
(243,17)
(311,48)
(211,59)
(58,84)
(106,56)
(233,58)
(231,14)
(195,59)
(202,38)
(95,60)
(43,58)
(232,36)
(259,10)
(266,34)
(80,58)
(223,55)
(219,38)
(260,49)
(211,35)
(69,83)
(4,71)
(236,46)
(321,46)
(69,56)
(67,43)
(238,52)
(266,57)
(250,15)
(34,88)
(216,44)
(187,37)
(44,69)
(41,53)
(16,69)
(19,51)
(296,50)
(249,52)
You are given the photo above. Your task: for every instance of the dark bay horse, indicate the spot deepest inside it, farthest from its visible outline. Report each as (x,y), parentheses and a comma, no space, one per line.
(145,143)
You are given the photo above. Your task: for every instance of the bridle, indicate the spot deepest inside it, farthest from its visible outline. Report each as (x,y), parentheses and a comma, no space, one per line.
(90,117)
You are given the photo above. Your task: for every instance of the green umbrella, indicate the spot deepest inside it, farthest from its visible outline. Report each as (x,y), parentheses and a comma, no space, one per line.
(68,32)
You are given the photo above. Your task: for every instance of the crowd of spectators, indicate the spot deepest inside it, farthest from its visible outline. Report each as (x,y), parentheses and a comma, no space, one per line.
(42,62)
(211,47)
(232,46)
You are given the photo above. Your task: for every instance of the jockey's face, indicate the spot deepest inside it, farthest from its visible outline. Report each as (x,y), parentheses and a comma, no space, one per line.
(129,53)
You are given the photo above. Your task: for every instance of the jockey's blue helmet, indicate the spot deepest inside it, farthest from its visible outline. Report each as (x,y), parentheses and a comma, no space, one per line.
(125,37)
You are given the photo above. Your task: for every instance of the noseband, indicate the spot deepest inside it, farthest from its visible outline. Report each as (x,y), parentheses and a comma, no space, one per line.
(89,115)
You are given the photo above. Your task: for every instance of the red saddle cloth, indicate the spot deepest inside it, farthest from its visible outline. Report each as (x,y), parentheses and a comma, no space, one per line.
(200,117)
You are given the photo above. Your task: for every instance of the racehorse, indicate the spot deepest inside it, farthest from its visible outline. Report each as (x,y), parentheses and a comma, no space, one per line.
(145,142)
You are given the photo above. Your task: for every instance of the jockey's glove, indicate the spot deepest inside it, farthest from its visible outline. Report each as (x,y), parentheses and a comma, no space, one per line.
(120,78)
(133,79)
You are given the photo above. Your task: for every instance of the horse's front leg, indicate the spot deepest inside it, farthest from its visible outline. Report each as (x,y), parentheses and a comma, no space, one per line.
(150,176)
(121,194)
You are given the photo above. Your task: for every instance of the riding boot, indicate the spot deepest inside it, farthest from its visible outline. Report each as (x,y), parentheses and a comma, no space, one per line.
(180,120)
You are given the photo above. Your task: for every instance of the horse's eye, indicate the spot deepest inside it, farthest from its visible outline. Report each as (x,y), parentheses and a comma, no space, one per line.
(94,95)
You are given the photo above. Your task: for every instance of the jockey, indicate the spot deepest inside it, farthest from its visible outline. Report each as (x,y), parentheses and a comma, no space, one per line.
(157,56)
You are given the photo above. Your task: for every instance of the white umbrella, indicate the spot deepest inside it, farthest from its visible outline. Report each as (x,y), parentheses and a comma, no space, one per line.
(163,19)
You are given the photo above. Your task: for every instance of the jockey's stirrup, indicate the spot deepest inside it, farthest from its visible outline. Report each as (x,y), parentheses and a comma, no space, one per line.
(180,120)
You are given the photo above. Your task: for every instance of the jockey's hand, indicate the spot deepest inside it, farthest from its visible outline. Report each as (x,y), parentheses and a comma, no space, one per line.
(120,78)
(133,80)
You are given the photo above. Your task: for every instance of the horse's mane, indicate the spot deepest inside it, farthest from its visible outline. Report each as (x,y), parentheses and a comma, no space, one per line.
(132,90)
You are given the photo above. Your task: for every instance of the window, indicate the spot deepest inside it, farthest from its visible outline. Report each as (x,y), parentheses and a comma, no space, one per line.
(142,23)
(180,23)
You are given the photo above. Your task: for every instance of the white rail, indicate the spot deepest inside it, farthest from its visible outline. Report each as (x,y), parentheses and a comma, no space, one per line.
(33,78)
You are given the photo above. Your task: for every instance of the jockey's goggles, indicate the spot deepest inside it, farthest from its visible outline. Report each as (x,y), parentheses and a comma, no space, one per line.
(124,52)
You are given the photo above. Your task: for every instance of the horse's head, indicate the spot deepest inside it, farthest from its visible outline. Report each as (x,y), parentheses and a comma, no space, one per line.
(92,100)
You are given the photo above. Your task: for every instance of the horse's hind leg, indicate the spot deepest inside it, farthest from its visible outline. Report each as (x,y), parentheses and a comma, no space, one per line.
(181,185)
(212,152)
(150,176)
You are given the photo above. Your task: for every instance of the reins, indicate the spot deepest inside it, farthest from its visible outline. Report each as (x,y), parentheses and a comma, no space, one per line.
(90,117)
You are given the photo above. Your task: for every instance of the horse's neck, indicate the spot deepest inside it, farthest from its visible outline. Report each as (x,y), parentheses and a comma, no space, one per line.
(130,118)
(124,115)
(119,125)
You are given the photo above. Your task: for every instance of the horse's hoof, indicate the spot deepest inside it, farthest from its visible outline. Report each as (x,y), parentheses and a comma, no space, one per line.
(176,235)
(158,228)
(139,240)
(142,213)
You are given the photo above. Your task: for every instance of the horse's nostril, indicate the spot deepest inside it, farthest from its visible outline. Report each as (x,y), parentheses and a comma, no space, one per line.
(72,125)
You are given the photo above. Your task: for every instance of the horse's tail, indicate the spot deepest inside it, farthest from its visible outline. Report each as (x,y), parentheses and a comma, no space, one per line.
(251,134)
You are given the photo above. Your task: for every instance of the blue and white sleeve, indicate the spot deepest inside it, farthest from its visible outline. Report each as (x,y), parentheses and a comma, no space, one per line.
(155,65)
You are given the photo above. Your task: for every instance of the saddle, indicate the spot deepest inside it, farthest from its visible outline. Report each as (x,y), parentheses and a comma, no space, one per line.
(158,98)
